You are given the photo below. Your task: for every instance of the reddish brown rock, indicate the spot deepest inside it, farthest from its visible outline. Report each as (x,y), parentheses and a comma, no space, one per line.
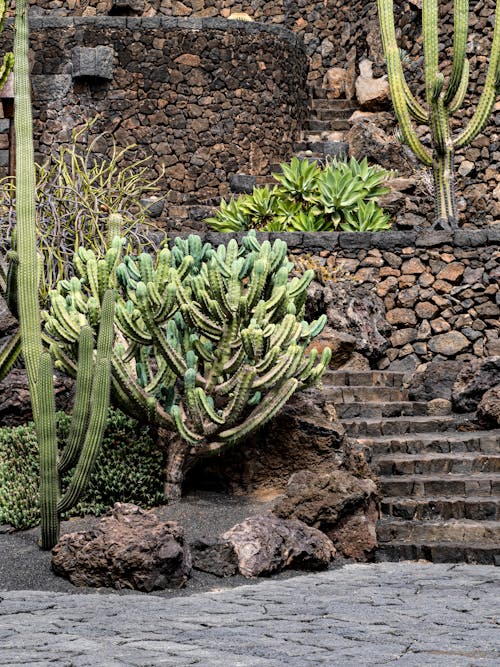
(338,503)
(265,544)
(475,379)
(128,548)
(488,410)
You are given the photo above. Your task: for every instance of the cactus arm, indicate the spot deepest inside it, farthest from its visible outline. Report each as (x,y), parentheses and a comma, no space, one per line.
(93,438)
(262,413)
(9,354)
(28,275)
(458,100)
(47,442)
(461,26)
(415,109)
(490,91)
(430,36)
(396,76)
(81,409)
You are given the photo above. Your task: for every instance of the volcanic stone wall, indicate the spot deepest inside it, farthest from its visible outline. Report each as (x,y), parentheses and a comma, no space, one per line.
(441,290)
(204,97)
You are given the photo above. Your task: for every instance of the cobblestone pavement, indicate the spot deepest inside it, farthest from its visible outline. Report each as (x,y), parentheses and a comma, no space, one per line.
(409,614)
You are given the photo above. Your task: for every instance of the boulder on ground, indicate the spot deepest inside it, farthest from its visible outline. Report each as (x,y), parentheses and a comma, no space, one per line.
(488,410)
(266,544)
(341,505)
(128,548)
(473,381)
(435,381)
(214,556)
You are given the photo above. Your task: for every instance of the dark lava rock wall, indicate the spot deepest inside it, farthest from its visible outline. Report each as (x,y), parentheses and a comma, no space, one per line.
(204,97)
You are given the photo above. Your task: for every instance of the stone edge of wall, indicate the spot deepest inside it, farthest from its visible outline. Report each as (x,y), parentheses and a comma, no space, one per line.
(167,23)
(338,241)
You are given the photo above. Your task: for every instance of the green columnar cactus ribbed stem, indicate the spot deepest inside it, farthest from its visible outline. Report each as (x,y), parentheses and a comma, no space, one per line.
(442,101)
(212,340)
(28,271)
(92,402)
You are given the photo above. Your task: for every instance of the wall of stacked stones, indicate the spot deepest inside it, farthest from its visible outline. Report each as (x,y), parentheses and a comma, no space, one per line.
(441,290)
(203,97)
(335,34)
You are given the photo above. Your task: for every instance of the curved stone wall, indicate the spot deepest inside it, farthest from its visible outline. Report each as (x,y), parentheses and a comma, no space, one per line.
(205,97)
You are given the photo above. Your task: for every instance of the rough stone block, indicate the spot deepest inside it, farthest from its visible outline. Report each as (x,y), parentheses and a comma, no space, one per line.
(50,87)
(95,62)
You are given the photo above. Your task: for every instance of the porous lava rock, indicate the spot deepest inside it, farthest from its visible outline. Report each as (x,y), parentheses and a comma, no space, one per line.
(215,556)
(128,548)
(435,381)
(352,309)
(304,433)
(488,410)
(473,381)
(338,503)
(266,544)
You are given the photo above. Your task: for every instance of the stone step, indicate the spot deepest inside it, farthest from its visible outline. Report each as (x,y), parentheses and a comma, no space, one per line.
(364,378)
(327,125)
(401,425)
(477,508)
(320,150)
(430,464)
(473,484)
(318,102)
(487,442)
(332,113)
(379,409)
(364,394)
(453,530)
(440,552)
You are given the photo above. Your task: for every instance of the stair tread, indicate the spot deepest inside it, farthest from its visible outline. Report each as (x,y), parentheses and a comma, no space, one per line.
(430,542)
(439,522)
(430,456)
(435,435)
(415,500)
(420,419)
(448,476)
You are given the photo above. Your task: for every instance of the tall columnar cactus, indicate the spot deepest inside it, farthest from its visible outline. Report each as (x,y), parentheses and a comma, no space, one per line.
(212,340)
(93,379)
(442,101)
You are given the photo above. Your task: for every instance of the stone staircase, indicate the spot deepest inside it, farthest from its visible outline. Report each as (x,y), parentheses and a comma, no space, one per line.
(326,128)
(440,478)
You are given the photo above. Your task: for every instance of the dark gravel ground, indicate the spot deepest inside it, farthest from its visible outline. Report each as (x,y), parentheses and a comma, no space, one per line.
(24,566)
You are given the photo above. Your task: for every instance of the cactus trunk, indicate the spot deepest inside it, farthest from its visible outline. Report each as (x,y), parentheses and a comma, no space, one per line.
(444,190)
(176,462)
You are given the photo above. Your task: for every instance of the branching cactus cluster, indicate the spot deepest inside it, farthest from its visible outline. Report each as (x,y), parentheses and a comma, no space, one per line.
(212,340)
(442,101)
(8,59)
(94,376)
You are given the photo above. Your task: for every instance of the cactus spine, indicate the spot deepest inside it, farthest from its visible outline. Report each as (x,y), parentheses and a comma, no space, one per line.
(92,398)
(442,101)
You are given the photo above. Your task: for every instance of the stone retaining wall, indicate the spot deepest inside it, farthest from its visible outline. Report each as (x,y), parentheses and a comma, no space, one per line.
(441,290)
(204,97)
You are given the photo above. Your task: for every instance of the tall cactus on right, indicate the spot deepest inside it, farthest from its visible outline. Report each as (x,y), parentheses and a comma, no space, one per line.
(442,101)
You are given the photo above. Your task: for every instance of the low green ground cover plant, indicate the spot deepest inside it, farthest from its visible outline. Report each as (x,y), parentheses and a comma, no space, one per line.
(340,196)
(128,469)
